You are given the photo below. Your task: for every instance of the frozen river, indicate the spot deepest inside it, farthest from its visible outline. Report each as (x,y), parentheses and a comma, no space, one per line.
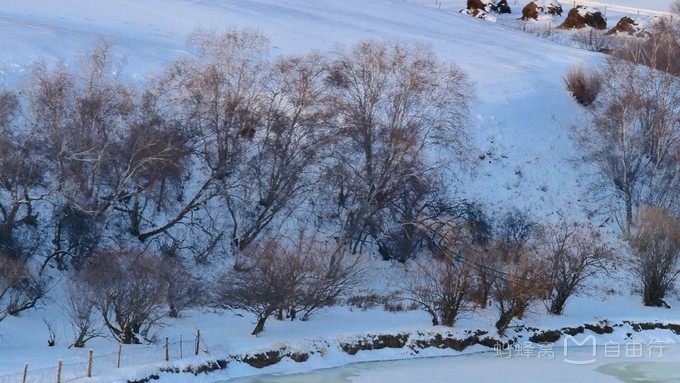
(637,363)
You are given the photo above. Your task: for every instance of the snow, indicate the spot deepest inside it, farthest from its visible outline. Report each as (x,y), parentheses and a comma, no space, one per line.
(546,4)
(585,10)
(520,122)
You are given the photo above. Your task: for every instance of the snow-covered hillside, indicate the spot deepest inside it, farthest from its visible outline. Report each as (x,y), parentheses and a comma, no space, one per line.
(520,123)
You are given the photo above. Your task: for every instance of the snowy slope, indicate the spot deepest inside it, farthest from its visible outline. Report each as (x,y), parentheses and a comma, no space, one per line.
(520,123)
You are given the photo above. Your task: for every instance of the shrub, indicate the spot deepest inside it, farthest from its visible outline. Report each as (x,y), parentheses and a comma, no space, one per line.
(129,290)
(440,287)
(584,84)
(573,253)
(655,243)
(277,276)
(81,312)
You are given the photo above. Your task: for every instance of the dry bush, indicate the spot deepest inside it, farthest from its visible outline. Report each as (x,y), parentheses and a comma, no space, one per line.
(539,29)
(584,84)
(655,244)
(129,290)
(277,276)
(366,300)
(508,271)
(574,253)
(183,290)
(513,230)
(82,313)
(441,288)
(331,275)
(519,280)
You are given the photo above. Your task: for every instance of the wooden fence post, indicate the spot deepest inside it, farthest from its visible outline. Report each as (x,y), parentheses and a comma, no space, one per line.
(23,377)
(89,364)
(167,347)
(59,363)
(198,340)
(180,347)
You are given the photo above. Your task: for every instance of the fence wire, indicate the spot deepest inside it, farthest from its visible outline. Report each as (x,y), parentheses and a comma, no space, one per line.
(131,355)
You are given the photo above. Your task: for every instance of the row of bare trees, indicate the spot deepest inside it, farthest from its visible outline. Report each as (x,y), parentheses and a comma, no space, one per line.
(521,263)
(228,144)
(222,156)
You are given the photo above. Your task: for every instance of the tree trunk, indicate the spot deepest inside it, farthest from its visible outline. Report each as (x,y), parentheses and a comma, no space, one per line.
(259,327)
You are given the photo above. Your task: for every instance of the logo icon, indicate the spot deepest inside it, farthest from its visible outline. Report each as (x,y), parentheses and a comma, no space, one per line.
(587,340)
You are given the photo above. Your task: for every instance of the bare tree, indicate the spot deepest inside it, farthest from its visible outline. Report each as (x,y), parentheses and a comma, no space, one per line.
(574,253)
(115,156)
(80,114)
(299,278)
(441,287)
(331,274)
(634,142)
(512,232)
(658,50)
(518,283)
(509,270)
(128,290)
(260,287)
(675,7)
(279,171)
(216,99)
(81,311)
(22,171)
(393,103)
(655,244)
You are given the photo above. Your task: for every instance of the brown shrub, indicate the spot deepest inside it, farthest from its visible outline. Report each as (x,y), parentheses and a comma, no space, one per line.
(655,242)
(300,278)
(440,288)
(128,289)
(584,84)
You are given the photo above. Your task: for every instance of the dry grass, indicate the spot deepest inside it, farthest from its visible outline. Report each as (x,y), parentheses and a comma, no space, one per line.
(584,84)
